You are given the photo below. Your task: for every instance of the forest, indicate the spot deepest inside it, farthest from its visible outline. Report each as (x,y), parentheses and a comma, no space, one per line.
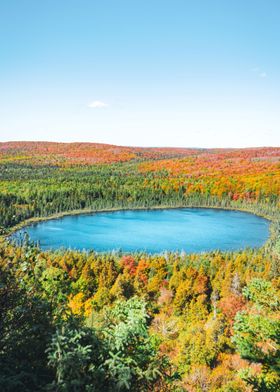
(84,321)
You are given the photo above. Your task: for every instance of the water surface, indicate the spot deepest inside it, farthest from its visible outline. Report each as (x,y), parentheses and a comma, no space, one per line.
(153,231)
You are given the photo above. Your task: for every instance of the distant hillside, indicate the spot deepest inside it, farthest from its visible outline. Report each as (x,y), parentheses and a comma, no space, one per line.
(84,153)
(64,154)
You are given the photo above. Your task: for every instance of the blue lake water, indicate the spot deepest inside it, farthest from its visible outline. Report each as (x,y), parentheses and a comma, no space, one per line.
(153,231)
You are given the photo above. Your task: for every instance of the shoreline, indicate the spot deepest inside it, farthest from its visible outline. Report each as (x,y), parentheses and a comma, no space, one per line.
(89,211)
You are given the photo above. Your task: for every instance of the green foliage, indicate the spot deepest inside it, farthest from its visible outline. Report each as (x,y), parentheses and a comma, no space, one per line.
(25,329)
(52,190)
(75,355)
(116,355)
(257,335)
(54,284)
(262,294)
(132,360)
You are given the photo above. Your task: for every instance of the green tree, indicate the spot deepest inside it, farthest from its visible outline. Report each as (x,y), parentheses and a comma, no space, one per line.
(75,355)
(257,335)
(25,328)
(132,359)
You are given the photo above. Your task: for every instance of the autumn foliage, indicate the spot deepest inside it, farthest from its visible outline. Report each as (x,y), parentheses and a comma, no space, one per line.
(169,322)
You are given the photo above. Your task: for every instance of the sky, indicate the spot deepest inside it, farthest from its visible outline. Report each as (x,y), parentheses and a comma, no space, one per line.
(200,73)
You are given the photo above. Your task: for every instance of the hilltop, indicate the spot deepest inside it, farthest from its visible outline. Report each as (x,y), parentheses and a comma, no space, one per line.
(64,154)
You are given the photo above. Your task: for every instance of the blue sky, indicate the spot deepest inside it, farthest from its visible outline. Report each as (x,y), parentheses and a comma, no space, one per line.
(201,73)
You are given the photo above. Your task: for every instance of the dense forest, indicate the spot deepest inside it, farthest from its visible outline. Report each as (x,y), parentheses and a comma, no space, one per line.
(83,321)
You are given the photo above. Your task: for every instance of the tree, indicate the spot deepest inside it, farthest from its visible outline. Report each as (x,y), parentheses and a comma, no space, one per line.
(257,335)
(75,355)
(25,328)
(132,359)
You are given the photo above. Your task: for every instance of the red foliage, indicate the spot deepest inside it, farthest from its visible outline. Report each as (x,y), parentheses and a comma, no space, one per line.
(128,263)
(238,173)
(65,154)
(231,305)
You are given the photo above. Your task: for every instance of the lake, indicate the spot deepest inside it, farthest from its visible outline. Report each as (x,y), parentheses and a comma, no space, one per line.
(152,231)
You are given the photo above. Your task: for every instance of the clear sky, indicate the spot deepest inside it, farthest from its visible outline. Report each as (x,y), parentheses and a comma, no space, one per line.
(200,73)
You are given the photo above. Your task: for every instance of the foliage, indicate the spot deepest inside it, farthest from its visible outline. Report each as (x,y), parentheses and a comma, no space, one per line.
(257,335)
(44,179)
(78,321)
(116,354)
(25,329)
(75,355)
(132,359)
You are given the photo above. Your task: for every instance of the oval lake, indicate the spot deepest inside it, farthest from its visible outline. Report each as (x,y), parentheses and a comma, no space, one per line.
(152,231)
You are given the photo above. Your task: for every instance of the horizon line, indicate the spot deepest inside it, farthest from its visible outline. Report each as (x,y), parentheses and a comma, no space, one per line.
(137,146)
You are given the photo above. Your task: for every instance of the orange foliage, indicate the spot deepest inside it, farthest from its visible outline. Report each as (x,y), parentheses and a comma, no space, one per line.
(231,305)
(67,154)
(238,173)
